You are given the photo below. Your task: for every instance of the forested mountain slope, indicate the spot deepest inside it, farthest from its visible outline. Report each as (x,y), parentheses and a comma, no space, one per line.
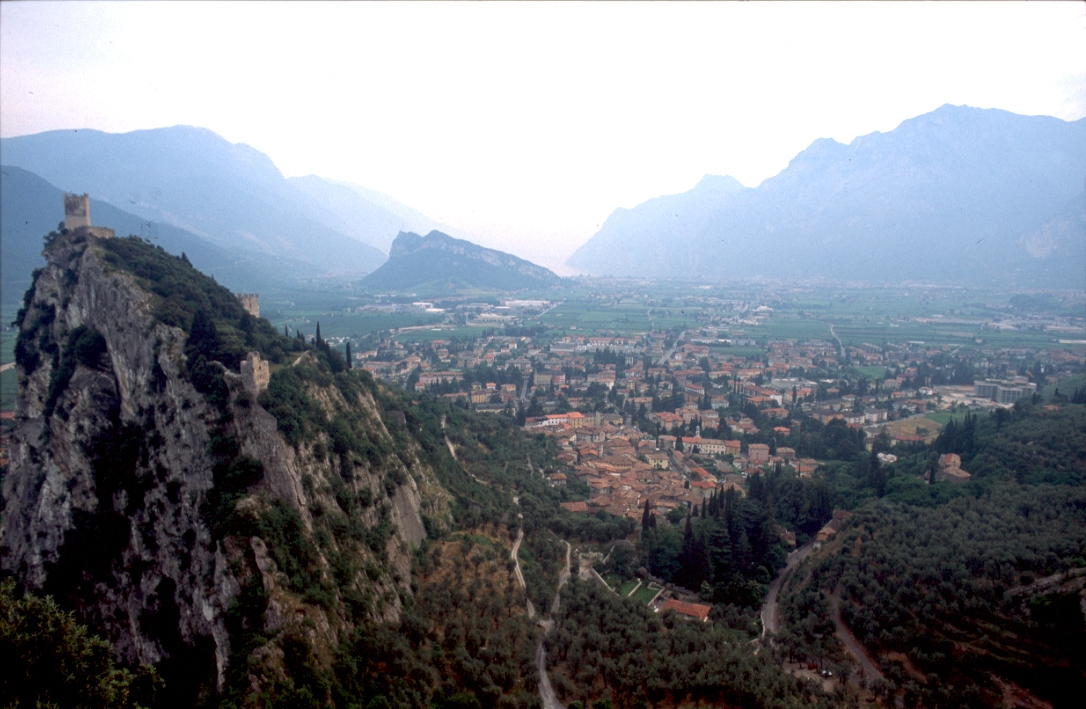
(311,544)
(972,595)
(150,493)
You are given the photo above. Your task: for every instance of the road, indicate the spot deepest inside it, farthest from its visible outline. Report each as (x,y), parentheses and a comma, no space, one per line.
(850,641)
(667,355)
(770,609)
(841,347)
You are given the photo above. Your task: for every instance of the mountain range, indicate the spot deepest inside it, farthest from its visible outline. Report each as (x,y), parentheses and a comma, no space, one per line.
(32,208)
(441,262)
(967,195)
(230,195)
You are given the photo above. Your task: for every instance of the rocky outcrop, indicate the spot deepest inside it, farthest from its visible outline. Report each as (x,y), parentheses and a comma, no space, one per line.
(137,500)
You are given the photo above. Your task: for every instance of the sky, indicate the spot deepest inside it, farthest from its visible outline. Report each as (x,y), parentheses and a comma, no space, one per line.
(524,125)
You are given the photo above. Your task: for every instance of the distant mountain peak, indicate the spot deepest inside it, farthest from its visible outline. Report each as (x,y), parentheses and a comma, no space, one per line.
(409,242)
(436,258)
(719,183)
(959,194)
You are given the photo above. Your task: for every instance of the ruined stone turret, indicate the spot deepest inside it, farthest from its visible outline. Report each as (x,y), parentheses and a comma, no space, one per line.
(77,217)
(251,303)
(255,373)
(76,211)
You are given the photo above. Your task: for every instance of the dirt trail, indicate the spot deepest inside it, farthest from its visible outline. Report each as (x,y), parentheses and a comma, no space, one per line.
(520,576)
(850,641)
(546,692)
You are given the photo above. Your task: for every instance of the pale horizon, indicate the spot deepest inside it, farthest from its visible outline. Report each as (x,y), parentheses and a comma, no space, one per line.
(523,126)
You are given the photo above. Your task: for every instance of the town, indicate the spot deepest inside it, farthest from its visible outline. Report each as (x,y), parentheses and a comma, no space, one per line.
(668,418)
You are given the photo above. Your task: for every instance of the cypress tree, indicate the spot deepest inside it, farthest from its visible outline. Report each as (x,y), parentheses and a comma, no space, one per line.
(349,361)
(317,338)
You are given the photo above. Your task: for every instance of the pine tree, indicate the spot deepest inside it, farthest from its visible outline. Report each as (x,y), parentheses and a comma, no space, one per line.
(729,511)
(720,554)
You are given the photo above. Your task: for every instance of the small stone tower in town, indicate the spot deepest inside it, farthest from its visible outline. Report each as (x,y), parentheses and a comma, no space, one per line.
(251,303)
(76,211)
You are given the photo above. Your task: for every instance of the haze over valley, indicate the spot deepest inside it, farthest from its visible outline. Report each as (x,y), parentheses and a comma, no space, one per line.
(565,356)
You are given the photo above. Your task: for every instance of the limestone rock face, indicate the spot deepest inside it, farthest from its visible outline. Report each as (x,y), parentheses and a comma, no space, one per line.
(113,474)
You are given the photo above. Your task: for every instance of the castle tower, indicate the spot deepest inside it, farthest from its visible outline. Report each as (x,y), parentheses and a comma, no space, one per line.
(251,303)
(77,217)
(76,211)
(255,373)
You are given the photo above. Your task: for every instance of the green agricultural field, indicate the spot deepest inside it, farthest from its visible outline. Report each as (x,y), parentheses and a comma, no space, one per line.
(624,589)
(354,324)
(620,317)
(430,334)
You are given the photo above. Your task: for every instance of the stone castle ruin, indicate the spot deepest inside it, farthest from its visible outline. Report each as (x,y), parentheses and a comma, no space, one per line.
(255,373)
(76,211)
(77,216)
(251,303)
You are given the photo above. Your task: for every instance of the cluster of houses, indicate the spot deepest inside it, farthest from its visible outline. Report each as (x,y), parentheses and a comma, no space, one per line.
(625,468)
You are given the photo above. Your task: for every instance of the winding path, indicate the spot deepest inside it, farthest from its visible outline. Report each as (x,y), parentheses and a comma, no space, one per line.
(452,452)
(869,667)
(770,609)
(520,575)
(546,692)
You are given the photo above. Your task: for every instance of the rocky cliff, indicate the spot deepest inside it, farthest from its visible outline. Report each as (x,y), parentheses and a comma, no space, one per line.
(154,494)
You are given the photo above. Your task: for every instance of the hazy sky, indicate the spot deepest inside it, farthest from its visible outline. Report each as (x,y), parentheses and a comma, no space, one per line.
(526,124)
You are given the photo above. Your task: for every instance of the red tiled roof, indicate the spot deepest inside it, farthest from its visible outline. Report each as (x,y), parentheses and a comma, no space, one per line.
(693,610)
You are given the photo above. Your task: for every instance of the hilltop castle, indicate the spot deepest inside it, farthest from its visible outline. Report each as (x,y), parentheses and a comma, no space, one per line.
(77,217)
